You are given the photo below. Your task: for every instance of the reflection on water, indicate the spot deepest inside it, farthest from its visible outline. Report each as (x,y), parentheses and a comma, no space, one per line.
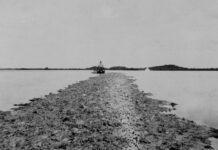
(20,86)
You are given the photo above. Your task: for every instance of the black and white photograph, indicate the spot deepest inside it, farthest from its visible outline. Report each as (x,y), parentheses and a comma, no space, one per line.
(108,75)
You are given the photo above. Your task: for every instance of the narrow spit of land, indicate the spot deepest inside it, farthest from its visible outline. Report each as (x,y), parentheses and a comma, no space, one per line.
(106,112)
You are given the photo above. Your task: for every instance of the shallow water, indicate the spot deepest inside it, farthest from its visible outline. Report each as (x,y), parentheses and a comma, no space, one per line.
(196,93)
(20,86)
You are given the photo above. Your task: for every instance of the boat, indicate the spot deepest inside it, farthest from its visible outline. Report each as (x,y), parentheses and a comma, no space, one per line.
(100,68)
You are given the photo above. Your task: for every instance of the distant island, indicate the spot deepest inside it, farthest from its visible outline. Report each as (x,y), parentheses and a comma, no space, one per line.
(117,68)
(179,68)
(89,68)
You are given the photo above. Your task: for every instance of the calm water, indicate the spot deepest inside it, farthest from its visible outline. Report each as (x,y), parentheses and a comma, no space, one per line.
(195,92)
(20,86)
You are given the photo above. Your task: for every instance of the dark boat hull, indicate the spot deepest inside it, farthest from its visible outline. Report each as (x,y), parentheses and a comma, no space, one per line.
(100,71)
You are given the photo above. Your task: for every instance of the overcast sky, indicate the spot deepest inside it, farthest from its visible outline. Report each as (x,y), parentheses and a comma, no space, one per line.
(79,33)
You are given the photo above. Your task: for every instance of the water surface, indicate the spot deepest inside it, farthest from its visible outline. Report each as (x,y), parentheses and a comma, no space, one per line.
(196,93)
(20,86)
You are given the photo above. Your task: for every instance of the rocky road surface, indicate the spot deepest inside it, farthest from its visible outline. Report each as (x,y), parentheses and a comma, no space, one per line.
(107,112)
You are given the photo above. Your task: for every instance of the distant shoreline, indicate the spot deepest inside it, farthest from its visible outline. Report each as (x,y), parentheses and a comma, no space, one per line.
(169,67)
(91,68)
(187,70)
(37,69)
(64,70)
(178,68)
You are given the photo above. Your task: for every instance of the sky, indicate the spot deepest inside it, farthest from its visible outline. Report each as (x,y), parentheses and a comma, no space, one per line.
(135,33)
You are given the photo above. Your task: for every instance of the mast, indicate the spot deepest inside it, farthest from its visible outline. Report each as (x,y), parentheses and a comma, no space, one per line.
(100,64)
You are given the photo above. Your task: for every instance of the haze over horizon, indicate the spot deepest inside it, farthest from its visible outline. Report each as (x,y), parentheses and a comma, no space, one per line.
(79,33)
